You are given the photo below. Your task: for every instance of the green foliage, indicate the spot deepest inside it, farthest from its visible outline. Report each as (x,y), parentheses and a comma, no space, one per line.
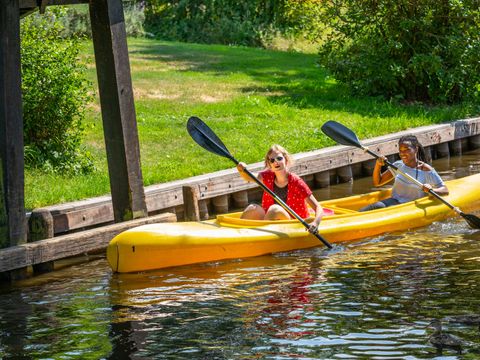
(75,20)
(214,21)
(55,92)
(425,50)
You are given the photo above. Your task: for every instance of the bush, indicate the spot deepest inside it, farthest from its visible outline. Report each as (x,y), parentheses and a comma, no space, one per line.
(213,21)
(416,51)
(75,20)
(55,93)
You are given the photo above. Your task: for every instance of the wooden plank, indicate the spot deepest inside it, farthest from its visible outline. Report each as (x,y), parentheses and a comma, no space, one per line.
(13,230)
(70,245)
(118,110)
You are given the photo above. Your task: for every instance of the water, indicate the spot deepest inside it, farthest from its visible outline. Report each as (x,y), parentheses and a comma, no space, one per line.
(372,299)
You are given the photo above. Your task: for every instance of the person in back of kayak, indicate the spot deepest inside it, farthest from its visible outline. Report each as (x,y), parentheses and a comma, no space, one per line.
(286,185)
(413,162)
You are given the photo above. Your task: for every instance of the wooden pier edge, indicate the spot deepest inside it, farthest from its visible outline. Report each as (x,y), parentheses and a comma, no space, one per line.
(79,243)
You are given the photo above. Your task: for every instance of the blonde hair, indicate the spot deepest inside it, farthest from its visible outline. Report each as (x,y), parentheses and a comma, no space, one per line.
(280,149)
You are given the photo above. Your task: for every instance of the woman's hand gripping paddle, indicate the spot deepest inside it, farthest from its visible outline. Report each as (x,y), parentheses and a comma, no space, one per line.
(206,138)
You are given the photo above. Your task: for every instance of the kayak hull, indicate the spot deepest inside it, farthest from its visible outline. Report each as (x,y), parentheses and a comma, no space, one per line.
(156,246)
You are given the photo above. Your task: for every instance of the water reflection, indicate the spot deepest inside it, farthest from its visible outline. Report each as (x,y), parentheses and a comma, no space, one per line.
(371,299)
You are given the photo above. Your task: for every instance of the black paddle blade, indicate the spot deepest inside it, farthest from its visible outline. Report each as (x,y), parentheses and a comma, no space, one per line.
(206,138)
(472,220)
(340,134)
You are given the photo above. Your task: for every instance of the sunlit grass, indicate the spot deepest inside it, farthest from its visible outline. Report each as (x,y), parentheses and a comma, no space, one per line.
(251,98)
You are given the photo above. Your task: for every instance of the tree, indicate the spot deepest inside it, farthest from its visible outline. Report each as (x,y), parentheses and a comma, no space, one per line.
(423,50)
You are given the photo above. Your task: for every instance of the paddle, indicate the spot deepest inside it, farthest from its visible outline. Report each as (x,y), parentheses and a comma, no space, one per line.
(206,138)
(345,136)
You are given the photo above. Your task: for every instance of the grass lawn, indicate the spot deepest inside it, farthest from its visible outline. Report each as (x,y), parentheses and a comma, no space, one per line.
(251,98)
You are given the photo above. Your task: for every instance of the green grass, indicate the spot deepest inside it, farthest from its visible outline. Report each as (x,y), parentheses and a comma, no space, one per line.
(251,98)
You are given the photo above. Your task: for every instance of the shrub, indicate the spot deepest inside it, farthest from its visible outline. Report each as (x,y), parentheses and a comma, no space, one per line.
(424,50)
(55,92)
(75,20)
(213,21)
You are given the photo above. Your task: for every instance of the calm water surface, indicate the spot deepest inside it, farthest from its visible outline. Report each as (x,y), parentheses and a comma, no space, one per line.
(372,299)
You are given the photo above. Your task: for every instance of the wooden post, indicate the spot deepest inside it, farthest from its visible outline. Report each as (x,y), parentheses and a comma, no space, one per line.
(442,150)
(220,204)
(203,208)
(13,230)
(190,203)
(455,147)
(333,177)
(356,170)
(368,166)
(309,180)
(474,141)
(40,227)
(428,152)
(344,174)
(322,179)
(240,199)
(118,109)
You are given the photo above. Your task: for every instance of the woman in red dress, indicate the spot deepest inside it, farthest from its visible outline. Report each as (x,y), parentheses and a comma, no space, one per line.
(286,185)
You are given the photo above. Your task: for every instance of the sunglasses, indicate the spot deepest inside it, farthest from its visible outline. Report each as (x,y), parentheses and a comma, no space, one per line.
(277,159)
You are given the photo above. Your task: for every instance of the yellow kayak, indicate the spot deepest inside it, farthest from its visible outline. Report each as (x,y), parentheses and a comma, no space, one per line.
(163,245)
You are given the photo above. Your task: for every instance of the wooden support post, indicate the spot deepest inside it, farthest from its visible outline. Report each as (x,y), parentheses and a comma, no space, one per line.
(474,142)
(322,179)
(118,109)
(357,170)
(333,177)
(442,150)
(203,208)
(13,229)
(190,203)
(344,174)
(220,204)
(240,199)
(428,153)
(455,147)
(368,166)
(40,227)
(309,180)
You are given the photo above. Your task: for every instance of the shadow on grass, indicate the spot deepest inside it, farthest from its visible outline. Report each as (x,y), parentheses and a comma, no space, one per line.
(292,79)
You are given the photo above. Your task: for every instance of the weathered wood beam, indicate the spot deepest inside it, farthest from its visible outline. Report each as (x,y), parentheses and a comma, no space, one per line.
(12,208)
(76,244)
(118,109)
